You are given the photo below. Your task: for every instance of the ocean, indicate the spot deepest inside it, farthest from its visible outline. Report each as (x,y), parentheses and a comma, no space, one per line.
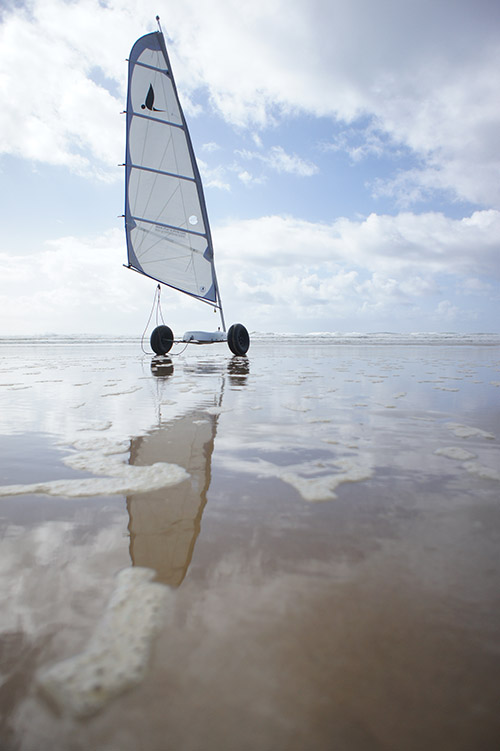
(294,549)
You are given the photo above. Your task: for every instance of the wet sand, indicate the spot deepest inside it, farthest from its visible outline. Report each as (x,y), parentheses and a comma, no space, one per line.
(293,550)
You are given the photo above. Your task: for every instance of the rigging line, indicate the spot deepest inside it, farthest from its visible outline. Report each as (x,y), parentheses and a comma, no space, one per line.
(176,354)
(159,314)
(149,319)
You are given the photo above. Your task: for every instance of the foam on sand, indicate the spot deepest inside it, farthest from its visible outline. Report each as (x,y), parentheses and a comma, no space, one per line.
(467,457)
(107,459)
(466,431)
(117,655)
(316,480)
(481,470)
(322,488)
(455,452)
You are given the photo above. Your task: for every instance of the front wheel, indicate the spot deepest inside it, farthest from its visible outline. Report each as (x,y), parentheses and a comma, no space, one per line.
(238,339)
(161,340)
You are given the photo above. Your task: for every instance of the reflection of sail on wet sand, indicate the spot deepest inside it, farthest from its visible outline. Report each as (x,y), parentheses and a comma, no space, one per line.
(164,524)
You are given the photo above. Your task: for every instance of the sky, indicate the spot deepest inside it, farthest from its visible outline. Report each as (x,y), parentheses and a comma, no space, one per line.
(349,149)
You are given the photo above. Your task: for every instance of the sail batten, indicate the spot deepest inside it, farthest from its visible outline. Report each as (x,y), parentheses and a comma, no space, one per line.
(166,221)
(162,172)
(152,67)
(158,120)
(169,226)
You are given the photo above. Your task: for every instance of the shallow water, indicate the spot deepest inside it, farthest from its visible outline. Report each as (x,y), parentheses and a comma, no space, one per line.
(322,519)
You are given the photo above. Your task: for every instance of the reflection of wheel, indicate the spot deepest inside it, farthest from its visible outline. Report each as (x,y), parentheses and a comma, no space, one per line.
(238,339)
(161,340)
(238,369)
(162,366)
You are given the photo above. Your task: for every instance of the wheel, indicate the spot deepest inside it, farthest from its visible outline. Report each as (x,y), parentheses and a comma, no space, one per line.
(238,339)
(161,340)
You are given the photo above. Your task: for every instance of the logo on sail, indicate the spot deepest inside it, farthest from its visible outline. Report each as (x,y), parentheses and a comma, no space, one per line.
(150,100)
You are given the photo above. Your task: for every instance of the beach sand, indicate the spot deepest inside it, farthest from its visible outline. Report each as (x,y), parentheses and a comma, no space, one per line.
(293,550)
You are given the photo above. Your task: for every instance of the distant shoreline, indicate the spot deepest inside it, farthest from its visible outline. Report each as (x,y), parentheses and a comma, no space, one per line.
(352,338)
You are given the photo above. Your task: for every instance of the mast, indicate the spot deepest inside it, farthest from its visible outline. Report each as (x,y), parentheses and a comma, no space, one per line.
(198,180)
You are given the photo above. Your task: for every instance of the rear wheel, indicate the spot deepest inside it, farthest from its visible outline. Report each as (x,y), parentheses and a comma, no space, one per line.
(238,339)
(161,340)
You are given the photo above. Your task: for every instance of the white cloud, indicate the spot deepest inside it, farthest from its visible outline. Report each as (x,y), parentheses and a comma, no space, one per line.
(295,272)
(423,74)
(210,147)
(447,311)
(70,285)
(213,177)
(257,140)
(275,273)
(359,142)
(55,112)
(423,244)
(248,179)
(474,286)
(278,160)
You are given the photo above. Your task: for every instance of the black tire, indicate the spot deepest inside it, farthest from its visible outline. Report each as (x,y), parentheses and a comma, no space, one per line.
(238,339)
(162,340)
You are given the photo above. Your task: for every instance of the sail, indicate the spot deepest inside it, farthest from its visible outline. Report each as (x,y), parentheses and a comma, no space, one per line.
(166,223)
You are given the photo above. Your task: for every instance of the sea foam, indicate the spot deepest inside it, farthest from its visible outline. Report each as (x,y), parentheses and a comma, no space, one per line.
(117,655)
(108,460)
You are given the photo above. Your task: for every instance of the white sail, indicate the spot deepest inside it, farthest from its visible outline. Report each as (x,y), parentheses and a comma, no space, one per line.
(166,223)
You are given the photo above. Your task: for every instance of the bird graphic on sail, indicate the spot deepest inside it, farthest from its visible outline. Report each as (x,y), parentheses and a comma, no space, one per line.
(150,100)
